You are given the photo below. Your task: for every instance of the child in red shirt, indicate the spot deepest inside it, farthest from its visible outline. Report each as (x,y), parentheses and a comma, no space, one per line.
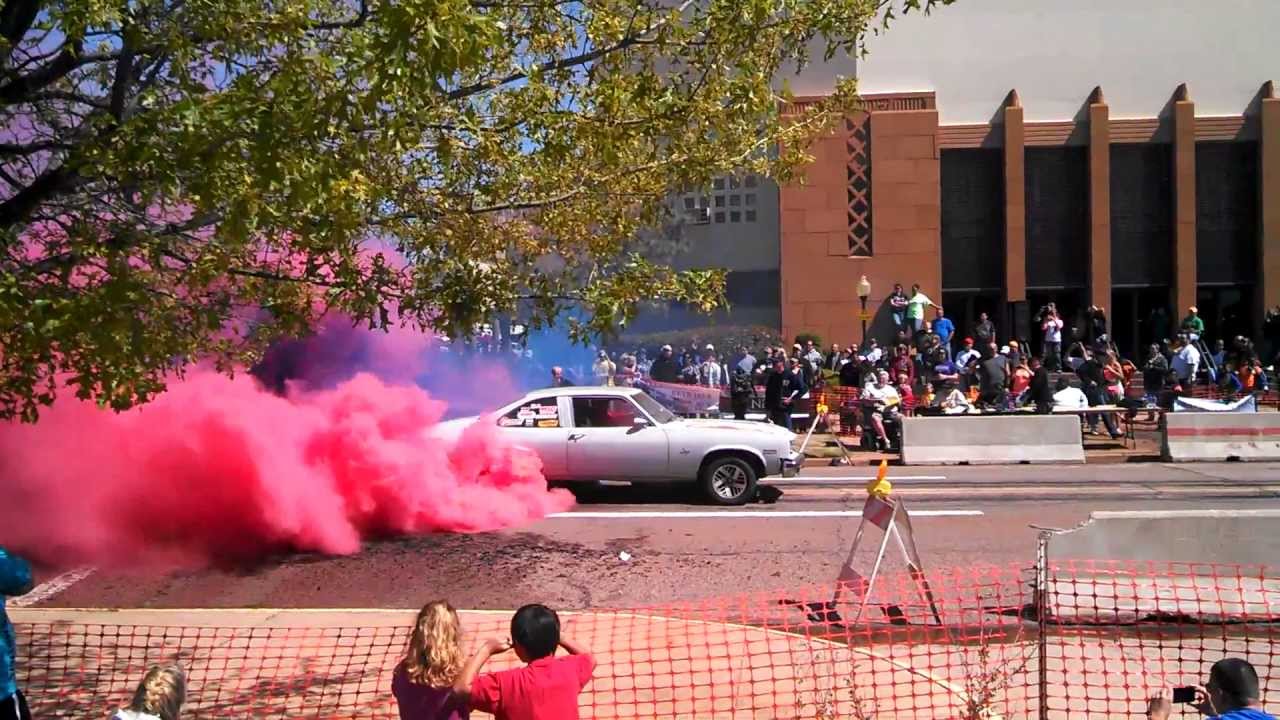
(546,688)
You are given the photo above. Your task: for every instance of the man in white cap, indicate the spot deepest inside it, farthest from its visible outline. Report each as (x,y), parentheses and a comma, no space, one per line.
(709,370)
(664,368)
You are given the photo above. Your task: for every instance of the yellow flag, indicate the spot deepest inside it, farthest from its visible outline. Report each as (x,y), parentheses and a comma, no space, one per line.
(880,486)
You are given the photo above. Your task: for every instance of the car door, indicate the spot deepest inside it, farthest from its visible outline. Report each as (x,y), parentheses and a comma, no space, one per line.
(541,425)
(607,443)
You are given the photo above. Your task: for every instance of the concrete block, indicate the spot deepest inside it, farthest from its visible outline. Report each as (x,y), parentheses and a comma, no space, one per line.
(1234,537)
(1192,437)
(992,439)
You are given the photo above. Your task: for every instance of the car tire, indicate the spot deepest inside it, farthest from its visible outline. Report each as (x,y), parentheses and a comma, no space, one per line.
(729,481)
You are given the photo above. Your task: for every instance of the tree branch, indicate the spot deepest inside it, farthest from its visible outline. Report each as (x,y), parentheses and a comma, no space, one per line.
(361,17)
(571,61)
(21,88)
(16,17)
(124,76)
(71,97)
(16,149)
(17,208)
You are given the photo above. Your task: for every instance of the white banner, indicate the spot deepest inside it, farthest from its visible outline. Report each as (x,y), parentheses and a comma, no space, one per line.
(684,399)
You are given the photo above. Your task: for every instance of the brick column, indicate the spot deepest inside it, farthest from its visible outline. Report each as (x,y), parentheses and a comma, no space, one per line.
(1184,202)
(1269,192)
(1099,201)
(906,197)
(1015,202)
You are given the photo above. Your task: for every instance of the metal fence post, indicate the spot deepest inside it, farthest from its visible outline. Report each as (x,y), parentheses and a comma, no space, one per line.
(1042,609)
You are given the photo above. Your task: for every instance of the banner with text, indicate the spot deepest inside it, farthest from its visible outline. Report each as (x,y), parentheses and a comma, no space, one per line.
(684,399)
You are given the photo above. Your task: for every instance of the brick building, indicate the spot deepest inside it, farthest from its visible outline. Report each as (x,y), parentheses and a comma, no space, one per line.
(1012,152)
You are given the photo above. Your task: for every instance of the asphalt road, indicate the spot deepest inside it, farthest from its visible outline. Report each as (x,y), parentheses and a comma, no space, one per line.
(678,549)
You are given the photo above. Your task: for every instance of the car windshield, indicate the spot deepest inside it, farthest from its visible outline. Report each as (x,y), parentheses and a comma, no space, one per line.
(654,408)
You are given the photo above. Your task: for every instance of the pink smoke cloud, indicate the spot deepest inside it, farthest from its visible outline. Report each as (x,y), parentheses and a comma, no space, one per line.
(218,470)
(471,383)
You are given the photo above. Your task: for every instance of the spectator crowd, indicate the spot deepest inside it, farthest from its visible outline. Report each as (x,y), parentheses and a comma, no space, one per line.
(930,367)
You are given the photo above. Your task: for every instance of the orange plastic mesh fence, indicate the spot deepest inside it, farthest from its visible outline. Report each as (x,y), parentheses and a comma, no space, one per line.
(1093,639)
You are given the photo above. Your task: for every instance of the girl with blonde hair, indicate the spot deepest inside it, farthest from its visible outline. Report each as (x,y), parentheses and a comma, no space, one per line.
(423,681)
(159,696)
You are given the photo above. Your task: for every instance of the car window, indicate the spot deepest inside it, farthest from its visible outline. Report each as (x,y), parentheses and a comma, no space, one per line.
(654,408)
(536,413)
(603,412)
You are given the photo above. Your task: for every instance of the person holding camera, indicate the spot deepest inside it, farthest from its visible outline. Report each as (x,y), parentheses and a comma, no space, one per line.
(1051,326)
(1232,693)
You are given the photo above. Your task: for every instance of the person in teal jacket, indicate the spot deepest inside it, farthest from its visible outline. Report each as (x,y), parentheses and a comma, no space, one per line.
(15,579)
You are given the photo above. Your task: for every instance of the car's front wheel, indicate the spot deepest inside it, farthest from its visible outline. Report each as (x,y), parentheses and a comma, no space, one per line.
(729,481)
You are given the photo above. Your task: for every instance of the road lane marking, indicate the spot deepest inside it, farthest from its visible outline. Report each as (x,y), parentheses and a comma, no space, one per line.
(867,477)
(714,514)
(817,479)
(51,587)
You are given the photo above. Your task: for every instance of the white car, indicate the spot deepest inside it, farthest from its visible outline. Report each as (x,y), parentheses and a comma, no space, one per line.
(587,434)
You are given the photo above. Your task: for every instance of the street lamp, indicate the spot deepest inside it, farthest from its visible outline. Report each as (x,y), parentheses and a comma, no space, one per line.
(864,291)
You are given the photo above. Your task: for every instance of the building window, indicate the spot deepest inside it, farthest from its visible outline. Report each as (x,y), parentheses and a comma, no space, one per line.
(751,216)
(750,199)
(734,182)
(720,217)
(689,203)
(1226,213)
(972,220)
(859,187)
(1057,217)
(717,183)
(1141,215)
(720,201)
(735,200)
(751,181)
(735,216)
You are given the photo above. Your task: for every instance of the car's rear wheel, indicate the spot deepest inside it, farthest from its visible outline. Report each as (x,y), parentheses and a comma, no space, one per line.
(729,481)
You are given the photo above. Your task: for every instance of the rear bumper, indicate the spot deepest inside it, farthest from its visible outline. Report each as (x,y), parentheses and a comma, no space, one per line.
(791,465)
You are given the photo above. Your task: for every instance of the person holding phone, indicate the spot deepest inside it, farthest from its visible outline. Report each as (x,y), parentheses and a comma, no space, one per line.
(1232,693)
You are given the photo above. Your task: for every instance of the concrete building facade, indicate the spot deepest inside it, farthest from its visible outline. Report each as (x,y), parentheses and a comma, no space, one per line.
(1091,153)
(1013,152)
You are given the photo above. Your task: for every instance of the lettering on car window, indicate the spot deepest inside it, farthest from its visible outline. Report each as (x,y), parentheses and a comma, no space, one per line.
(540,413)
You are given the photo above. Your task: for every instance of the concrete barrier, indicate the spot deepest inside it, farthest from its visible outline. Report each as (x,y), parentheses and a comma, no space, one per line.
(1191,436)
(990,440)
(1238,537)
(1211,558)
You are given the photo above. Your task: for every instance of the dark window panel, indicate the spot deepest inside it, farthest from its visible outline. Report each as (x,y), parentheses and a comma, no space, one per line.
(972,219)
(1057,198)
(1226,212)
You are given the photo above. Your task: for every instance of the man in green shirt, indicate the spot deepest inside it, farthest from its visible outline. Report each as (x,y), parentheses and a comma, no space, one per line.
(1192,324)
(916,306)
